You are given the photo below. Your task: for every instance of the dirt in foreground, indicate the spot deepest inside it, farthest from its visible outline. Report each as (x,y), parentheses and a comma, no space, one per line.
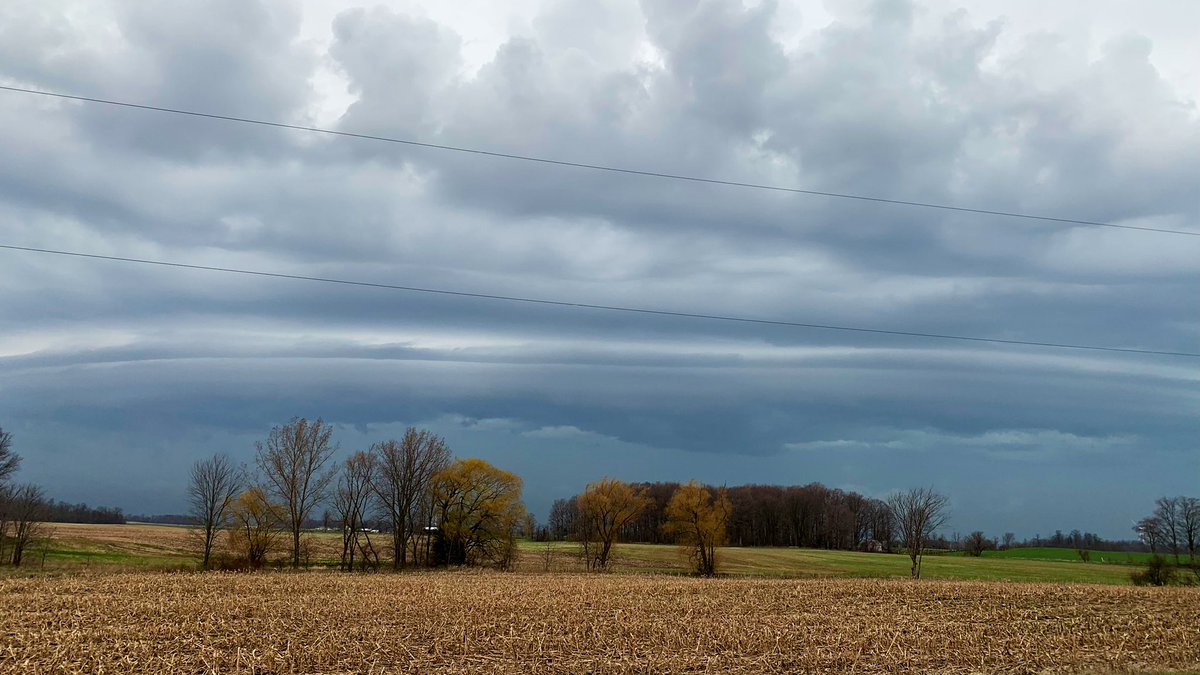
(492,622)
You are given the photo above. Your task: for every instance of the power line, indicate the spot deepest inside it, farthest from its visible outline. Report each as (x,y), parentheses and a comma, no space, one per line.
(600,167)
(607,308)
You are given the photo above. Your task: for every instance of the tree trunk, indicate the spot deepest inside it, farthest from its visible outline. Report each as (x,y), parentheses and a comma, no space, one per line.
(208,544)
(429,531)
(916,571)
(296,546)
(706,562)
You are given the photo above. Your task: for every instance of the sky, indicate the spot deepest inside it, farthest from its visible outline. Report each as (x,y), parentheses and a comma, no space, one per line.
(115,378)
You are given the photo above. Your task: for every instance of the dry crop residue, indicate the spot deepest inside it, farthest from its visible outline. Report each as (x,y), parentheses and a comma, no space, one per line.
(491,622)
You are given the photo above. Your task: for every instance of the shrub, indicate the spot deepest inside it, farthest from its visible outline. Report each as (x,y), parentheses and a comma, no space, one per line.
(231,564)
(1158,572)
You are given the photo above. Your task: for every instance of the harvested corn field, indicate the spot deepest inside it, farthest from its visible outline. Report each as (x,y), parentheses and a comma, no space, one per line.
(492,622)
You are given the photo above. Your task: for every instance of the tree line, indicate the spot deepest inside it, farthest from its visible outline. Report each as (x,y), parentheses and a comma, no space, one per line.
(436,510)
(63,512)
(409,501)
(807,516)
(430,508)
(702,518)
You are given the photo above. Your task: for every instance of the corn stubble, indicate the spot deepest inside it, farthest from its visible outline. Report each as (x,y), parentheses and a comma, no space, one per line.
(493,622)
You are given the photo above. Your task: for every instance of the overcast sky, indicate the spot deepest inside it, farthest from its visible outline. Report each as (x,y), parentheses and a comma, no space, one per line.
(114,377)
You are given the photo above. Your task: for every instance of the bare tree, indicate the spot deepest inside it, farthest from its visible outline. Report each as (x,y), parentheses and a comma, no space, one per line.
(403,480)
(26,513)
(1189,511)
(1167,512)
(882,524)
(215,483)
(353,503)
(6,495)
(292,463)
(9,460)
(1149,531)
(919,512)
(977,542)
(564,519)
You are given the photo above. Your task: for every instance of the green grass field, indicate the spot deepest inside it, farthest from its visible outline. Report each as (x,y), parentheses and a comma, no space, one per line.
(1069,555)
(814,563)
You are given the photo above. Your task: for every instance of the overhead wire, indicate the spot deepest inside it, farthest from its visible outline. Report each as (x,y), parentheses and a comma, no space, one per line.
(613,169)
(600,167)
(601,307)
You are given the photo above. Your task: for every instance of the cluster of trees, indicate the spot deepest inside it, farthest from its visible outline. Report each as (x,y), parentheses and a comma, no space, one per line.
(1084,543)
(1173,528)
(1079,539)
(63,512)
(809,516)
(435,510)
(702,518)
(23,508)
(694,516)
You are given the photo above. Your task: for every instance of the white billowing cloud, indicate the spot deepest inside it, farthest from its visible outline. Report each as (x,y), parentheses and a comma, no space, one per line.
(1012,444)
(566,432)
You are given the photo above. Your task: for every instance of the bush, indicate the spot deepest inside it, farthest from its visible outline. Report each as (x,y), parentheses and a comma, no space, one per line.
(1158,572)
(230,564)
(1192,576)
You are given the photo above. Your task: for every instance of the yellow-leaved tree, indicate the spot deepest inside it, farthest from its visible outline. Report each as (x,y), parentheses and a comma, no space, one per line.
(605,508)
(479,511)
(697,520)
(255,526)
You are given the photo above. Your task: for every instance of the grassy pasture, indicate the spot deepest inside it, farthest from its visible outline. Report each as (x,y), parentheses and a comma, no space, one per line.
(142,546)
(815,563)
(1070,555)
(136,546)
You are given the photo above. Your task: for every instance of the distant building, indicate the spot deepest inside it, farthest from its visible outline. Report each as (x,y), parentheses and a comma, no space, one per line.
(871,546)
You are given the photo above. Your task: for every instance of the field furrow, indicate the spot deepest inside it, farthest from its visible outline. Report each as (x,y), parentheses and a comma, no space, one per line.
(324,622)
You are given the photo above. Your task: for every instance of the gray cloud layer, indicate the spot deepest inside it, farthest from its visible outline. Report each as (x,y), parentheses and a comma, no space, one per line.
(115,378)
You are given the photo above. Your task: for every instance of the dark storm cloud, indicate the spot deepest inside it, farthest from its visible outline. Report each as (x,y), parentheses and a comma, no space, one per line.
(152,368)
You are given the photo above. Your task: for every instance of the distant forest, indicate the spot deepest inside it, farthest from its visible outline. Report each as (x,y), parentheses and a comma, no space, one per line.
(807,516)
(62,512)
